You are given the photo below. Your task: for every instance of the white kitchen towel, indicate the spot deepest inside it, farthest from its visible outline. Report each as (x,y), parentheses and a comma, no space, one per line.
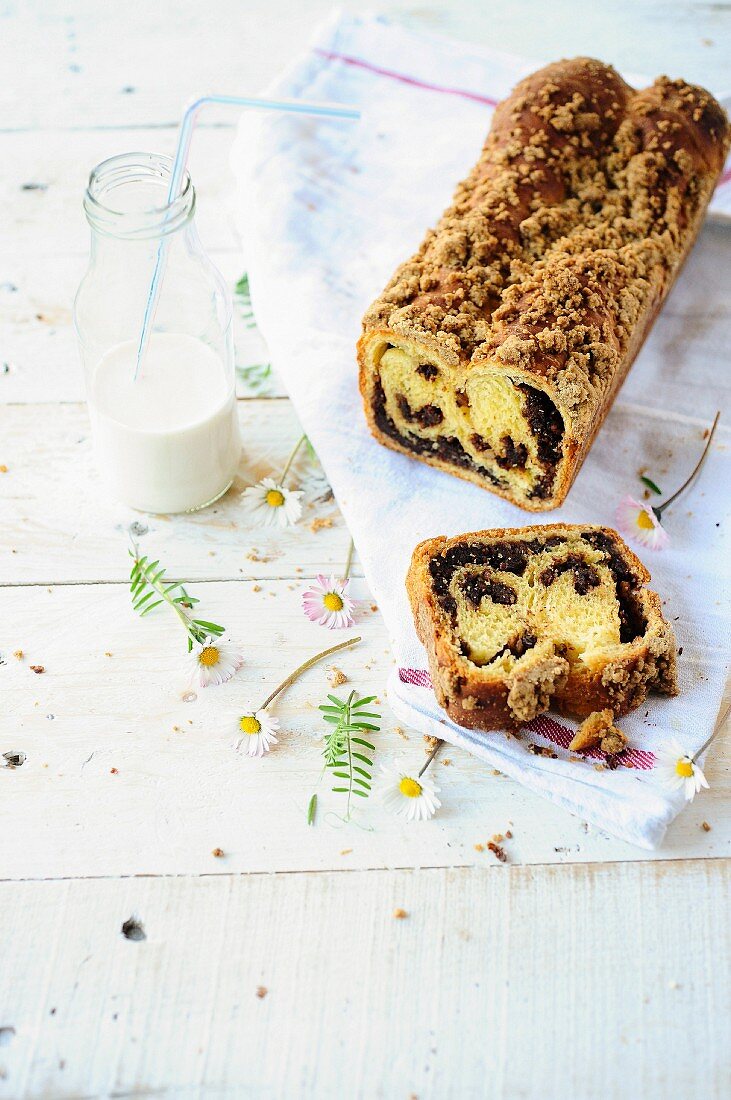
(326,212)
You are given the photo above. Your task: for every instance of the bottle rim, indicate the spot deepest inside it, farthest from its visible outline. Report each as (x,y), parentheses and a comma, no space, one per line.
(125,170)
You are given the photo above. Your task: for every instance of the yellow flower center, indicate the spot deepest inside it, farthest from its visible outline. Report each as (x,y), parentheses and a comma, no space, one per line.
(249,724)
(333,602)
(644,521)
(684,768)
(274,498)
(209,656)
(409,787)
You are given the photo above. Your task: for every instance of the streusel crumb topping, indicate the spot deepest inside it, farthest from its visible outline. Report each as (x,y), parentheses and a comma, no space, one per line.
(567,230)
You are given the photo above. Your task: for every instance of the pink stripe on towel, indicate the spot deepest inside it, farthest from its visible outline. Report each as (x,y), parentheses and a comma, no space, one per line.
(417,676)
(403,78)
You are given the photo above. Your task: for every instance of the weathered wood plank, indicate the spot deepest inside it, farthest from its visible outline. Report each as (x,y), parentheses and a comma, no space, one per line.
(59,524)
(73,76)
(39,344)
(47,216)
(72,73)
(180,790)
(473,993)
(39,360)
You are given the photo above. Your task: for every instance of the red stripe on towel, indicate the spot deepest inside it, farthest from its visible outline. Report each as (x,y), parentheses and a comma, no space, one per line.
(548,728)
(416,676)
(403,78)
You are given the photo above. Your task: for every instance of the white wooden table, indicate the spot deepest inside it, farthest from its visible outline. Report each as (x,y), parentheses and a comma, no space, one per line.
(582,968)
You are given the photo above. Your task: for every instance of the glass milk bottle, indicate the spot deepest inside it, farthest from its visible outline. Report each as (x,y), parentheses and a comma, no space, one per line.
(168,439)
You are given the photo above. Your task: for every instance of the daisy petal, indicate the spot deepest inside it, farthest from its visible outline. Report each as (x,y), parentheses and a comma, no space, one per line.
(408,796)
(638,521)
(214,663)
(328,603)
(258,733)
(270,504)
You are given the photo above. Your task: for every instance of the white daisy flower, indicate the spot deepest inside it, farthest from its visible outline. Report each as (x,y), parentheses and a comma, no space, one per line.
(638,521)
(214,663)
(676,770)
(328,602)
(258,730)
(270,504)
(412,798)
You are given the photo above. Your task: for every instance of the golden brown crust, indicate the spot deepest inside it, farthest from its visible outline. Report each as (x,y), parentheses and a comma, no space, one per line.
(477,698)
(559,247)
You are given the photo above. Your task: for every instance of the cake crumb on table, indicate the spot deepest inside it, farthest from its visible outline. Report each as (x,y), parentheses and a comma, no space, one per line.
(261,992)
(430,741)
(218,853)
(319,522)
(497,851)
(479,847)
(38,669)
(400,914)
(336,677)
(18,654)
(705,827)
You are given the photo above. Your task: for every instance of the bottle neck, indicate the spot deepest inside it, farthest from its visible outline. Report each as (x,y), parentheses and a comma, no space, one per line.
(138,236)
(127,200)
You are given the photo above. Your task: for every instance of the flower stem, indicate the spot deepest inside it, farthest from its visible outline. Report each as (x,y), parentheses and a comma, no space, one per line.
(350,754)
(661,507)
(349,559)
(292,457)
(430,757)
(303,668)
(719,725)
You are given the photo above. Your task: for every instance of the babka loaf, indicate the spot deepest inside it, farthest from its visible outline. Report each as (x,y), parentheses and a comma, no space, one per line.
(518,620)
(496,351)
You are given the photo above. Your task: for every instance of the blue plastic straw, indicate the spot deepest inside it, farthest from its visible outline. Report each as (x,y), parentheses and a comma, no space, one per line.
(290,106)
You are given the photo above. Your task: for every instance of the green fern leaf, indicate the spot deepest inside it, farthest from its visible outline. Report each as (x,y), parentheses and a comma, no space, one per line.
(149,589)
(348,721)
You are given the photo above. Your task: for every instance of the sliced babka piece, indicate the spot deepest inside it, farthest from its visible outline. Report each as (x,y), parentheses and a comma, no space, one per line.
(522,619)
